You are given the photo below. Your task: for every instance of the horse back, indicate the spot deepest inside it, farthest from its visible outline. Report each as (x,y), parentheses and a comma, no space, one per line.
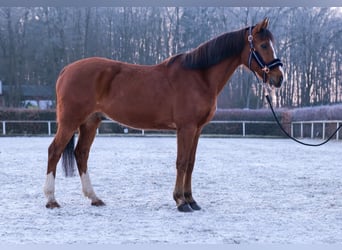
(127,93)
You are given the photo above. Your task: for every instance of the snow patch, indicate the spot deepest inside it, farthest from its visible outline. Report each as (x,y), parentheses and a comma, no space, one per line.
(250,190)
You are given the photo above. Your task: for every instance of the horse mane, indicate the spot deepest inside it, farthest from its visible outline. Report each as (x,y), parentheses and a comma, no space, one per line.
(214,51)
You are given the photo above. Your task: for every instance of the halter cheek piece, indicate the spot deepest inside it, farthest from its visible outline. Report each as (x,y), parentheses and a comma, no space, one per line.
(265,67)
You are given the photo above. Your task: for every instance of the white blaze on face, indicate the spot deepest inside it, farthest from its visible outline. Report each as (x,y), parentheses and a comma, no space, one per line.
(275,56)
(49,188)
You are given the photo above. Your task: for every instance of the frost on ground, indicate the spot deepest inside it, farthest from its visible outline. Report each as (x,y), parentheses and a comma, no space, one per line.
(250,190)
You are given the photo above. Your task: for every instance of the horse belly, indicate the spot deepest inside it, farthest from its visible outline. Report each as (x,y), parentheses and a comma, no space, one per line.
(141,113)
(142,120)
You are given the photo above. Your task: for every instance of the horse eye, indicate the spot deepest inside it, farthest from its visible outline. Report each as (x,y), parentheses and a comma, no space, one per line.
(264,46)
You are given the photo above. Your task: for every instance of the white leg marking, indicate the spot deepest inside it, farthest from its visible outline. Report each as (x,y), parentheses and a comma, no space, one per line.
(49,188)
(87,188)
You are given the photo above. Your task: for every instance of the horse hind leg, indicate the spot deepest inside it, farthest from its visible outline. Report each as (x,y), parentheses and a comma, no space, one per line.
(87,132)
(59,143)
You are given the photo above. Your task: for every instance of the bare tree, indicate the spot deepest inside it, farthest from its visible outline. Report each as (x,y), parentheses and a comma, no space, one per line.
(37,42)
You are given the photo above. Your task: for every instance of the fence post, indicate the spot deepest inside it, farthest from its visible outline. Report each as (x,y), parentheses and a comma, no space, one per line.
(49,128)
(243,129)
(312,130)
(323,132)
(4,127)
(338,131)
(301,130)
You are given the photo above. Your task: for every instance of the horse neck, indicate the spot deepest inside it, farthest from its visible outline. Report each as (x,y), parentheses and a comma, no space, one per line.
(219,74)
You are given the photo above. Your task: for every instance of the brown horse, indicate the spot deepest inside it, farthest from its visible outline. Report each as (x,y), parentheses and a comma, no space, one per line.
(178,94)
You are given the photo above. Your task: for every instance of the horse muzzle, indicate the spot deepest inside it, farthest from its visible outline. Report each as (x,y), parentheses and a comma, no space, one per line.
(276,81)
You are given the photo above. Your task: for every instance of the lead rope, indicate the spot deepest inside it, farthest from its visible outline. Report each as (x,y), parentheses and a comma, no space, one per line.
(291,137)
(266,68)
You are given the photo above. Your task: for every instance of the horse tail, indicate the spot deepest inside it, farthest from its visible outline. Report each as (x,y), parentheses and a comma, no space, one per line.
(68,158)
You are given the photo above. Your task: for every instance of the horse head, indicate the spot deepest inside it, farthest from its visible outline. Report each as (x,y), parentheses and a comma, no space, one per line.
(260,55)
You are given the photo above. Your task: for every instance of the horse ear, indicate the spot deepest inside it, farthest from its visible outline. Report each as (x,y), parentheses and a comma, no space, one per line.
(266,22)
(262,25)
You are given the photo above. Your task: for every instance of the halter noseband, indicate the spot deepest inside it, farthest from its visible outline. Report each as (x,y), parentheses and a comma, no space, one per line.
(265,67)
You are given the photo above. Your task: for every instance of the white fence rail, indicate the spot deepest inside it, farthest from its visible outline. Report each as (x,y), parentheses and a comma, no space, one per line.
(316,128)
(49,127)
(298,129)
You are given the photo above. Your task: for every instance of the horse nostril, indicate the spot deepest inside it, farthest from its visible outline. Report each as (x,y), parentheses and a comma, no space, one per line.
(281,79)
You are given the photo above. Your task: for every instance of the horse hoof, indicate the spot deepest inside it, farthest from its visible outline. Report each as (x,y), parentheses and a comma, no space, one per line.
(194,206)
(52,204)
(184,208)
(98,203)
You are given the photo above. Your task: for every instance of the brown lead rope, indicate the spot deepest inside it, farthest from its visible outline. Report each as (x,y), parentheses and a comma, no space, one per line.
(288,135)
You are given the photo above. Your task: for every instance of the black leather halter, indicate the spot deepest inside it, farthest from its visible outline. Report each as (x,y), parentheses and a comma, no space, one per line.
(265,67)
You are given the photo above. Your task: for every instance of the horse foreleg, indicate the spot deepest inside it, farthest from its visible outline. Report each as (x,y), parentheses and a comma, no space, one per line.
(185,139)
(188,174)
(87,134)
(54,154)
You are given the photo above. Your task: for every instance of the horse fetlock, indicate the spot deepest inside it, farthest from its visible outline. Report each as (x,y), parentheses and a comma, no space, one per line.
(190,200)
(188,197)
(52,204)
(97,203)
(49,191)
(181,203)
(178,197)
